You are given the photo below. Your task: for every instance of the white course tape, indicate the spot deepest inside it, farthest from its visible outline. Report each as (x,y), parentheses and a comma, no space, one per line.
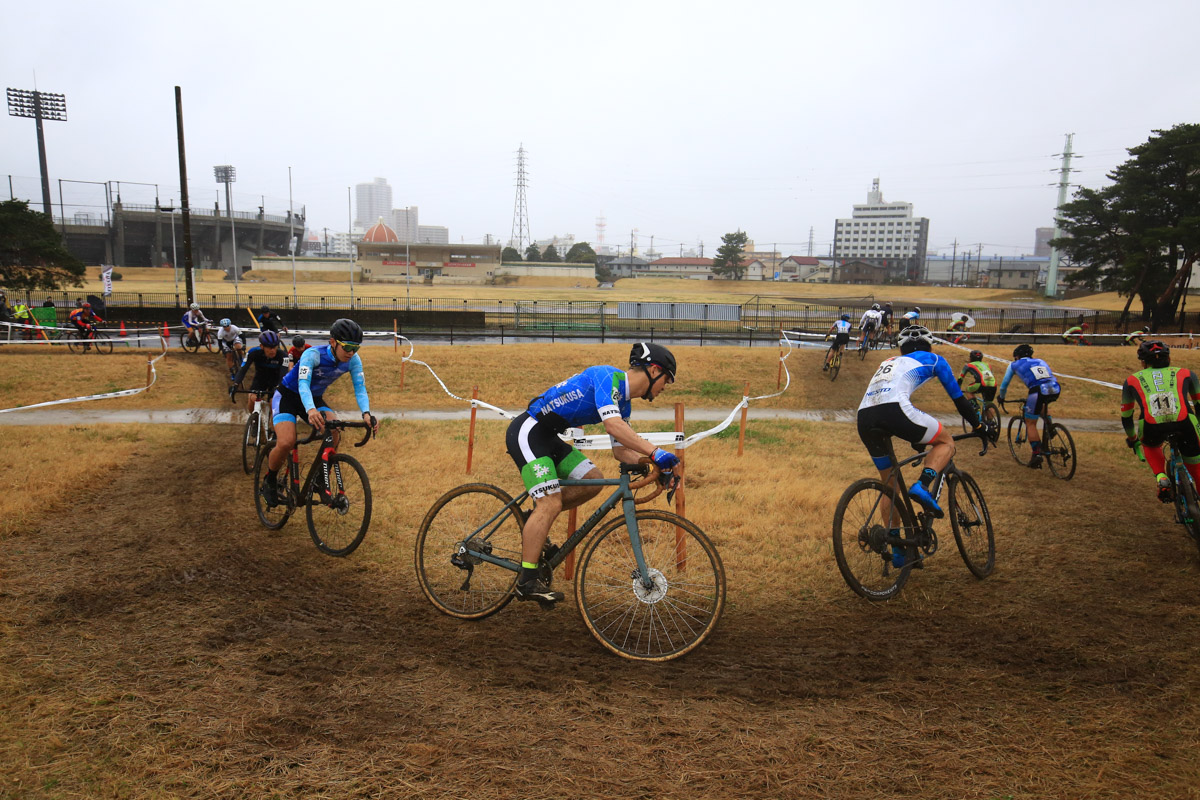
(123,393)
(1009,361)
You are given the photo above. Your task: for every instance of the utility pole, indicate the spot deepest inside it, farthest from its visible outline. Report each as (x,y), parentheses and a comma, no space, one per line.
(1063,183)
(810,240)
(953,260)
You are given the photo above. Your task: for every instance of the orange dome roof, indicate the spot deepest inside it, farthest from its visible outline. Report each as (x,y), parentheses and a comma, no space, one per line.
(380,234)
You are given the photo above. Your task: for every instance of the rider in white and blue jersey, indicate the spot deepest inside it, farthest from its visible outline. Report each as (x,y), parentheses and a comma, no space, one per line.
(1043,390)
(301,394)
(840,330)
(599,394)
(886,410)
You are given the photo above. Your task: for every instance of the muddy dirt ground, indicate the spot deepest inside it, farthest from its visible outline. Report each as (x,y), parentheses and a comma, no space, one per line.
(154,642)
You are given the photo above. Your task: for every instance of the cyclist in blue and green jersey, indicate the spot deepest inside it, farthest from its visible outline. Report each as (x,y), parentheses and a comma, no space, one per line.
(301,394)
(599,394)
(1166,398)
(886,410)
(1043,390)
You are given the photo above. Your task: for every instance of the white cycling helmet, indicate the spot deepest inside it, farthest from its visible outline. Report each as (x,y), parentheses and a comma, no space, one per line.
(225,323)
(916,337)
(194,306)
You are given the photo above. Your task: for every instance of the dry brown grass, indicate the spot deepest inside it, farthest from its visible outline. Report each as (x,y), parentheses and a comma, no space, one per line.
(159,643)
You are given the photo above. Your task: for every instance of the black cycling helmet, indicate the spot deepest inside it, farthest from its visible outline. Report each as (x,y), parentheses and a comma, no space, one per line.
(915,337)
(297,341)
(1023,351)
(643,354)
(268,339)
(265,310)
(1154,353)
(346,330)
(975,355)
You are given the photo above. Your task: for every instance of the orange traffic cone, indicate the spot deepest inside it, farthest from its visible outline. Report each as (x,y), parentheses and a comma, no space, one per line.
(123,327)
(166,333)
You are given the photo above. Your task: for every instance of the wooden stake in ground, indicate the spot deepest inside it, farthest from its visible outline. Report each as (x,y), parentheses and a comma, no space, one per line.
(471,434)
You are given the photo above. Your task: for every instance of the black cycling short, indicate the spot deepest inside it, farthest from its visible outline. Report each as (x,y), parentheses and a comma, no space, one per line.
(1186,439)
(1040,405)
(841,339)
(988,393)
(263,385)
(878,424)
(285,401)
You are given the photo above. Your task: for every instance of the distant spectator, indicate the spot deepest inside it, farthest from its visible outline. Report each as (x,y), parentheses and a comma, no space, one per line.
(6,312)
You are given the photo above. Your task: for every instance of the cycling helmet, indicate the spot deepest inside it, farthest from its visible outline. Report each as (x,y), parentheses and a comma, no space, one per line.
(1154,353)
(1023,351)
(265,310)
(194,306)
(1083,325)
(268,339)
(874,306)
(346,330)
(845,317)
(915,337)
(975,355)
(643,354)
(225,323)
(86,306)
(917,309)
(887,305)
(297,341)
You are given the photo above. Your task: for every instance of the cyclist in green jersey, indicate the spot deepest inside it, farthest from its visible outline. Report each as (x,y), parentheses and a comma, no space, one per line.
(1166,397)
(977,378)
(1138,336)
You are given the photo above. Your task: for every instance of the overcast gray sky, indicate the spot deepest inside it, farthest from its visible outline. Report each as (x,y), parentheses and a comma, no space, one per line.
(684,120)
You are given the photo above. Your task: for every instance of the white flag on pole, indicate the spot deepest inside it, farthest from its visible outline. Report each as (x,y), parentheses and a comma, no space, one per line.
(106,276)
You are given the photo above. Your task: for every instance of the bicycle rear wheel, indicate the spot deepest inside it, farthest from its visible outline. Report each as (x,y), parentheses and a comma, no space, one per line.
(338,525)
(250,443)
(860,531)
(102,344)
(273,517)
(835,366)
(1018,441)
(862,349)
(972,525)
(1059,448)
(672,617)
(462,584)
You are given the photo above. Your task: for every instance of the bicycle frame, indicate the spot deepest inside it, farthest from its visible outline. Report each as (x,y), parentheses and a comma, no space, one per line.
(295,487)
(623,494)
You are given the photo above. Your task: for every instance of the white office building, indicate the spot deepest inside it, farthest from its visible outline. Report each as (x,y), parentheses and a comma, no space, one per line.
(404,221)
(372,201)
(433,234)
(884,233)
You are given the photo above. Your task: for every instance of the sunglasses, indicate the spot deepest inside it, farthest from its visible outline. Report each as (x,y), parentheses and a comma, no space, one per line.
(349,347)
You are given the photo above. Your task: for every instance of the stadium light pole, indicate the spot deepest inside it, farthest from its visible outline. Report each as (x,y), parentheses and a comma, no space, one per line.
(407,261)
(174,256)
(39,106)
(227,174)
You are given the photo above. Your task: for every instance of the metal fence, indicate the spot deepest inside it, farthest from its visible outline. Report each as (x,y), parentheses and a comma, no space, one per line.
(584,316)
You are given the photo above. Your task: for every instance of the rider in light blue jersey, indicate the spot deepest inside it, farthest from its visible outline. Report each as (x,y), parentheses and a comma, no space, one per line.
(1043,390)
(600,394)
(886,410)
(301,394)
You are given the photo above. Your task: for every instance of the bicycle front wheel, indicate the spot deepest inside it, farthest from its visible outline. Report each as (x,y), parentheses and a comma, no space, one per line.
(451,573)
(972,525)
(1018,441)
(250,443)
(272,517)
(865,514)
(338,523)
(102,343)
(1186,503)
(188,343)
(1059,448)
(835,366)
(671,617)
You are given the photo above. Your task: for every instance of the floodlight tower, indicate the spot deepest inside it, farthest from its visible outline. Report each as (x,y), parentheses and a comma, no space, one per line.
(226,174)
(521,237)
(40,106)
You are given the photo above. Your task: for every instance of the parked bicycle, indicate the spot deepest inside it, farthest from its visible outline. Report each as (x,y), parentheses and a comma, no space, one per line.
(258,430)
(1058,447)
(192,341)
(336,494)
(95,341)
(649,584)
(880,535)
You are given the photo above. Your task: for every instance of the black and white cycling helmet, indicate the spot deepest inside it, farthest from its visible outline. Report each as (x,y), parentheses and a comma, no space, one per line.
(874,306)
(643,354)
(915,337)
(1023,351)
(346,330)
(194,306)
